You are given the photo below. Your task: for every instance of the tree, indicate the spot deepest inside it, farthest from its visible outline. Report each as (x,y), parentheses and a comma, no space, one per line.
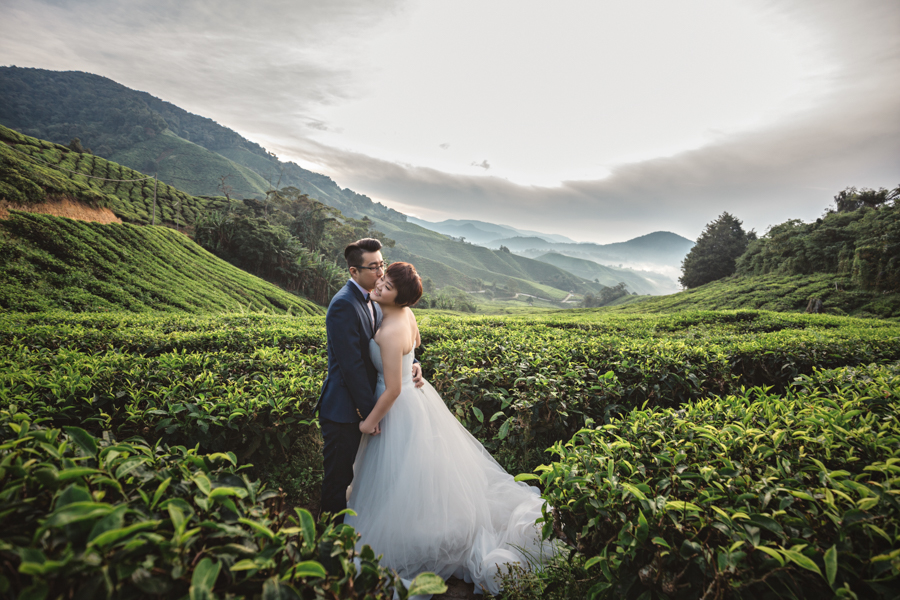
(850,199)
(714,255)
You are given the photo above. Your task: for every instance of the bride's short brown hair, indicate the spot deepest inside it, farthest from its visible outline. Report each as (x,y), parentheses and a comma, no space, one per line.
(406,281)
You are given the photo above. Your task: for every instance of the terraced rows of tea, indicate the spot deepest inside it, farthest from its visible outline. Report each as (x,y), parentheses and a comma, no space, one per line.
(725,454)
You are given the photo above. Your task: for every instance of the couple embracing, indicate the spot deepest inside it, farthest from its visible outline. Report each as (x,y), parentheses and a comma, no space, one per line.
(427,495)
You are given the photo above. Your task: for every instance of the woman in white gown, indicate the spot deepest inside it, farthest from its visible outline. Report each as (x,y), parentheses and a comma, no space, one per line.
(428,496)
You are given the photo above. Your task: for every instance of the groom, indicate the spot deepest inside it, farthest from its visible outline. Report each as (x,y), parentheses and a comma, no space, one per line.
(348,394)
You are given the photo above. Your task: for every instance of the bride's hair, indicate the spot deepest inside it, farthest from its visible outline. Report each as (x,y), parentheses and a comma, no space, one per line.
(407,283)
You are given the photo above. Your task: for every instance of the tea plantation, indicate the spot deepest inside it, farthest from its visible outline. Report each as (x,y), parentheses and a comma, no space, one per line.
(730,454)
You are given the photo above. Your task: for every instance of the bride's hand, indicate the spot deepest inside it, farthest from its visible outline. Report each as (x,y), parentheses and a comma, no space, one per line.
(418,379)
(364,427)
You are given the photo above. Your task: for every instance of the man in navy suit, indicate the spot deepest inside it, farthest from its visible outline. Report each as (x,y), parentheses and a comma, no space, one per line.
(348,394)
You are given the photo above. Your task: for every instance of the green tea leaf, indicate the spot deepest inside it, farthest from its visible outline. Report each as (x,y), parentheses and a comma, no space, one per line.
(831,565)
(427,583)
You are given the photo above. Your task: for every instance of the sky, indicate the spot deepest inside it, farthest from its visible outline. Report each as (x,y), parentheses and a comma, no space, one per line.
(600,120)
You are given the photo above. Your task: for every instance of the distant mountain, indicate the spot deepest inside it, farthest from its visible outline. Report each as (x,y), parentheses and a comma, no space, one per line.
(193,153)
(661,251)
(641,282)
(481,232)
(198,156)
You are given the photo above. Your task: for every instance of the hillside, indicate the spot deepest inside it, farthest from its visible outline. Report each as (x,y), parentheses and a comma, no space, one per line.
(481,232)
(775,292)
(51,262)
(479,263)
(34,171)
(641,282)
(148,134)
(660,251)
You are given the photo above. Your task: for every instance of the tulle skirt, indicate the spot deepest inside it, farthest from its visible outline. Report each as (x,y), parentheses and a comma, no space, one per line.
(429,497)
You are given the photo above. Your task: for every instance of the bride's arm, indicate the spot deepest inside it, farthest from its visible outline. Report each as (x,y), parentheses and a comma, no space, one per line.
(392,360)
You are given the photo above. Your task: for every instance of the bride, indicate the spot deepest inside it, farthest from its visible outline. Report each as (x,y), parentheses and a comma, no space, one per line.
(428,496)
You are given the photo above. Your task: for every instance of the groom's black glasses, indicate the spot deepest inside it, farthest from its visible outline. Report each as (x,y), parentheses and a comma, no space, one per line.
(378,267)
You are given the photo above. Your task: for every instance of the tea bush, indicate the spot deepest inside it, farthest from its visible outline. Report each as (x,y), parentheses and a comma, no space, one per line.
(752,495)
(88,517)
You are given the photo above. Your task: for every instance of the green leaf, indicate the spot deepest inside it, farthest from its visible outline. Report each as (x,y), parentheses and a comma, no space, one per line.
(661,542)
(802,560)
(75,472)
(527,477)
(111,521)
(203,483)
(767,523)
(205,574)
(427,583)
(220,492)
(592,561)
(478,414)
(245,564)
(77,511)
(114,535)
(309,568)
(634,491)
(831,565)
(643,527)
(160,491)
(308,524)
(83,439)
(262,529)
(504,429)
(681,506)
(129,465)
(773,553)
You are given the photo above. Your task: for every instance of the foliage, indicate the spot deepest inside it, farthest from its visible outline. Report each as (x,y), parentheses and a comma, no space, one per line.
(862,245)
(850,199)
(775,292)
(753,495)
(50,262)
(713,256)
(93,517)
(248,384)
(607,295)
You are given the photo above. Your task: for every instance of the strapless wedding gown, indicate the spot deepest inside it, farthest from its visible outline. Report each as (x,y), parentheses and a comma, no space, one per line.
(429,497)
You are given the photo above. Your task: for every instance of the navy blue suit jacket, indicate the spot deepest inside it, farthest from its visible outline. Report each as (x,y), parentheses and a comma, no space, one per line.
(348,394)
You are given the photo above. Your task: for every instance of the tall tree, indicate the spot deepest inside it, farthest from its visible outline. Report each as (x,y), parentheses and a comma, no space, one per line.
(713,256)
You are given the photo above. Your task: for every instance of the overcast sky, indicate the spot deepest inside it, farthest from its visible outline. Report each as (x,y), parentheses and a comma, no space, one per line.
(600,120)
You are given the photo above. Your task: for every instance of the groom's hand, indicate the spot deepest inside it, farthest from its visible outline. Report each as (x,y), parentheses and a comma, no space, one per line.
(417,375)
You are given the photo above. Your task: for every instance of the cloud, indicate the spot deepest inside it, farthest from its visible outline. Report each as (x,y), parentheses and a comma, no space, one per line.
(850,135)
(264,68)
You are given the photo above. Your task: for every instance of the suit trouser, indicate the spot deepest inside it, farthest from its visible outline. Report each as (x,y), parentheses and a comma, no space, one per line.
(341,441)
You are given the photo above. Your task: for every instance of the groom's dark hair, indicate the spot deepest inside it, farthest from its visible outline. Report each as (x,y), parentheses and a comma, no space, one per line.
(353,252)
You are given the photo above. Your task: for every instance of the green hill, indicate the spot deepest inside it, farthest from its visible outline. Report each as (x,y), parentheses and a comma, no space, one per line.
(51,262)
(34,171)
(191,167)
(148,134)
(469,263)
(782,293)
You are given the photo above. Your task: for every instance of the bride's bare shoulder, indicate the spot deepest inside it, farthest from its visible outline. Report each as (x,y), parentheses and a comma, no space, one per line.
(414,326)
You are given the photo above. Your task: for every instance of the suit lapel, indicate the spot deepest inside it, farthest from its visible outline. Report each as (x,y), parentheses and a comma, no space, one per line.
(362,308)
